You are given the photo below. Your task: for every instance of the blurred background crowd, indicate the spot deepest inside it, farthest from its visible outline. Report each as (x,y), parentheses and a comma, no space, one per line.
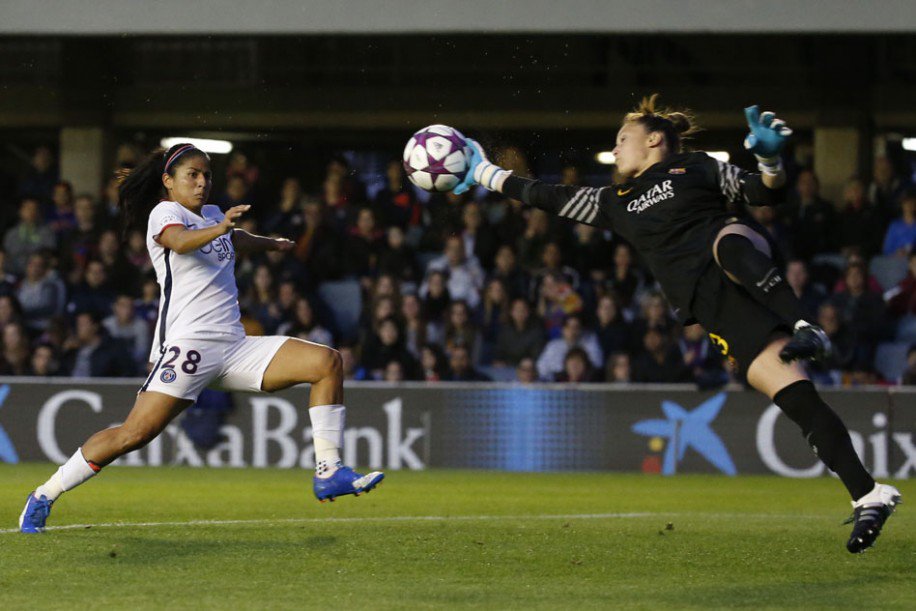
(416,286)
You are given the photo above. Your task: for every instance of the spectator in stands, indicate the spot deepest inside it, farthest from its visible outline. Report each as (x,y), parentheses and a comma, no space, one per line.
(41,294)
(465,276)
(260,301)
(384,346)
(843,351)
(137,255)
(29,236)
(43,362)
(576,367)
(460,368)
(350,363)
(556,301)
(654,315)
(861,309)
(613,332)
(507,270)
(901,299)
(305,326)
(134,333)
(432,363)
(352,190)
(492,314)
(415,326)
(550,361)
(901,233)
(397,258)
(591,254)
(363,246)
(526,372)
(436,298)
(625,280)
(10,310)
(552,263)
(660,362)
(118,269)
(38,182)
(78,246)
(860,225)
(522,337)
(147,306)
(811,295)
(60,217)
(703,360)
(396,201)
(94,293)
(479,238)
(909,374)
(240,166)
(287,219)
(236,193)
(886,188)
(530,245)
(618,368)
(7,280)
(16,351)
(319,247)
(88,354)
(393,372)
(813,218)
(461,330)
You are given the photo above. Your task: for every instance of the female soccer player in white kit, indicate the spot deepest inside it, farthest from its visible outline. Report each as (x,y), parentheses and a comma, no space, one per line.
(199,338)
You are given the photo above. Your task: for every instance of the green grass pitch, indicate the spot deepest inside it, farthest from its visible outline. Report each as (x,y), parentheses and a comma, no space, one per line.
(448,539)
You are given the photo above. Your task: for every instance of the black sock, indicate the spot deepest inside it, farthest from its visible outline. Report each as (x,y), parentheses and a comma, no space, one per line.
(760,276)
(826,433)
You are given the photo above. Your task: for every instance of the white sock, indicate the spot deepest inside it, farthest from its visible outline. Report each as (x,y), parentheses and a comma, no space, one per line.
(327,434)
(67,477)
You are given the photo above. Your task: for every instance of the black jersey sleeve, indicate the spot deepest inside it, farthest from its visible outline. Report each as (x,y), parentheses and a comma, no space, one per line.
(741,186)
(580,204)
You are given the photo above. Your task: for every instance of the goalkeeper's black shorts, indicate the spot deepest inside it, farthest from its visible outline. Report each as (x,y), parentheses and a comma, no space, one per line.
(739,326)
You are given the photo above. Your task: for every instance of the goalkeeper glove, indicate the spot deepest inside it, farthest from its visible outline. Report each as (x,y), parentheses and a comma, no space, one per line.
(481,171)
(767,137)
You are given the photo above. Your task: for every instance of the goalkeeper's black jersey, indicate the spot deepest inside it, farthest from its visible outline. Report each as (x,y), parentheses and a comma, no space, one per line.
(671,213)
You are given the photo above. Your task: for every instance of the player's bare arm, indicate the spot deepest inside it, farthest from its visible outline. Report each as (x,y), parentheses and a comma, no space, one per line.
(249,242)
(182,240)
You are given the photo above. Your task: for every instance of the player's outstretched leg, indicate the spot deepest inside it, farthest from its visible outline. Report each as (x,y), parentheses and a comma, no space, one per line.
(745,256)
(150,414)
(796,396)
(299,361)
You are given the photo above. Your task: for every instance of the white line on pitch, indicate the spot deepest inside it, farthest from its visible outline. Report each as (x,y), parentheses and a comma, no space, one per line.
(472,518)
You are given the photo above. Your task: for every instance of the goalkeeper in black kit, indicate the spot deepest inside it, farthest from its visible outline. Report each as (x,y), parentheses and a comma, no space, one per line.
(716,268)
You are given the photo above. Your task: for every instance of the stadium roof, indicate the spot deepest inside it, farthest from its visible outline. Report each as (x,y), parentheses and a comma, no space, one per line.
(180,17)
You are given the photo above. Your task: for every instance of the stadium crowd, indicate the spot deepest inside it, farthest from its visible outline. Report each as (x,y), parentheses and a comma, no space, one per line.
(441,287)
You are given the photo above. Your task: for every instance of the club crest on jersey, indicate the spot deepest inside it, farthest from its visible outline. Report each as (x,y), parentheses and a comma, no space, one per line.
(168,376)
(677,171)
(651,197)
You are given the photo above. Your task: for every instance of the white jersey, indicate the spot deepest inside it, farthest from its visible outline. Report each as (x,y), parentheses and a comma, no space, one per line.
(199,296)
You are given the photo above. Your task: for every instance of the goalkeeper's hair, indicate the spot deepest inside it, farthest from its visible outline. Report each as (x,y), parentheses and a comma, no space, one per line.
(675,125)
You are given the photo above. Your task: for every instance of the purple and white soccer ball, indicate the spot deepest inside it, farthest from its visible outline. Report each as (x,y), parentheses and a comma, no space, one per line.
(436,158)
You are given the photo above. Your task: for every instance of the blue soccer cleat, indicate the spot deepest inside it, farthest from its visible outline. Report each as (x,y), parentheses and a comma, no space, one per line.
(35,514)
(345,481)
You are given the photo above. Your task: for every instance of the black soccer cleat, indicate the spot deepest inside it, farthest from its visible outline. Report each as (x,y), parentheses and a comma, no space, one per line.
(869,515)
(809,342)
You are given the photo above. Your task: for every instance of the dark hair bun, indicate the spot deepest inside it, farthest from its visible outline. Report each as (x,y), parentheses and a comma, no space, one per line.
(681,122)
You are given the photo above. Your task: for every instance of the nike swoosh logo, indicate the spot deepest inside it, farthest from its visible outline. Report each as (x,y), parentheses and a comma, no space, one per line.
(622,192)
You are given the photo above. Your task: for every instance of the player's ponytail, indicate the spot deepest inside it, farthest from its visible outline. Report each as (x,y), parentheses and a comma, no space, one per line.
(675,125)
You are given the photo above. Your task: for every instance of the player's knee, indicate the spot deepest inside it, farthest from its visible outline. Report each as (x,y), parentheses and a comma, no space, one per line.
(331,363)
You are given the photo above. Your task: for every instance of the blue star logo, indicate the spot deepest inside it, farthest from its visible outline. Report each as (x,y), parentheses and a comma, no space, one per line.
(692,429)
(7,450)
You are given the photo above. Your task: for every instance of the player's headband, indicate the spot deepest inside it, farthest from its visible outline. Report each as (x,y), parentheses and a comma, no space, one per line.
(181,150)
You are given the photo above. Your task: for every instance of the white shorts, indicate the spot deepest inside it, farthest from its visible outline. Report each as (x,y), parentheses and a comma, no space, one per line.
(186,367)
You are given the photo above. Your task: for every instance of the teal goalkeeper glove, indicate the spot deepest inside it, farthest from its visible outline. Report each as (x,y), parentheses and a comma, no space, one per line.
(480,171)
(766,138)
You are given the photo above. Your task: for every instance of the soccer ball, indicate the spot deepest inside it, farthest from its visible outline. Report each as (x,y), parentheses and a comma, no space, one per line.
(436,158)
